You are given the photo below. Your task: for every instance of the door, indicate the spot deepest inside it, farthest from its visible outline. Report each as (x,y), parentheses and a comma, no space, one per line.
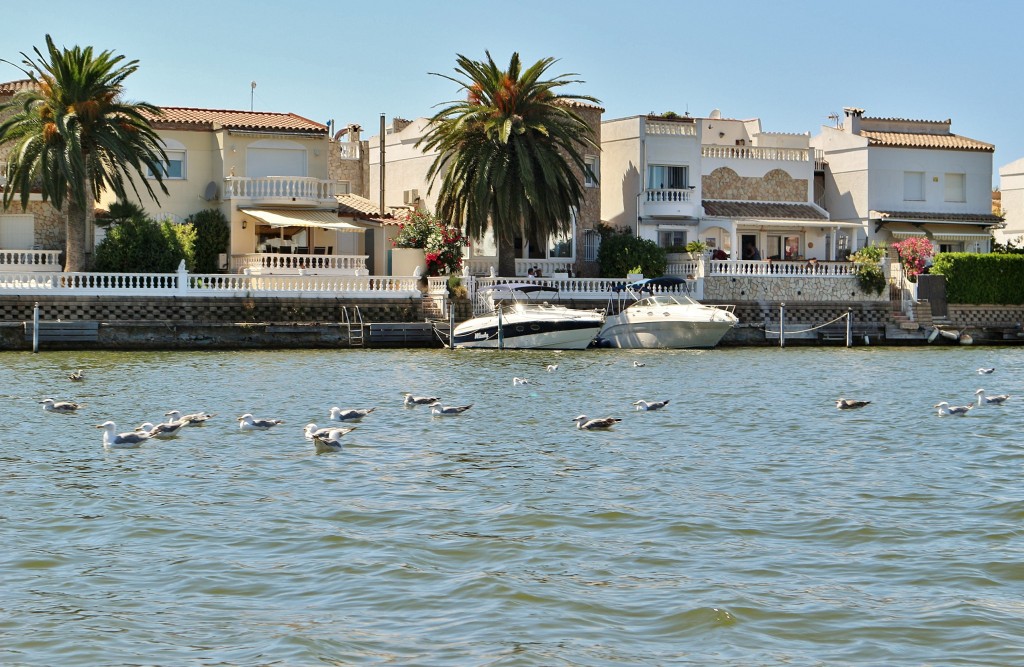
(933,288)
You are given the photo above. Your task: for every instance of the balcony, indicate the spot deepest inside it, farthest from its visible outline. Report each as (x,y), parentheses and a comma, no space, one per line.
(756,153)
(669,203)
(281,190)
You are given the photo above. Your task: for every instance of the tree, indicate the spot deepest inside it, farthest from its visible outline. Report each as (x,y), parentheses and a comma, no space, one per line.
(509,155)
(73,137)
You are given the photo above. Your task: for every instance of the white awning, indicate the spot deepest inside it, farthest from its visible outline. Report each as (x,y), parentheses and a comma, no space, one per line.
(903,230)
(961,237)
(324,219)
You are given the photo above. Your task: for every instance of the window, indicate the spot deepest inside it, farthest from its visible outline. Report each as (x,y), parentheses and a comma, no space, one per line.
(956,189)
(671,237)
(591,171)
(666,177)
(913,186)
(174,168)
(591,244)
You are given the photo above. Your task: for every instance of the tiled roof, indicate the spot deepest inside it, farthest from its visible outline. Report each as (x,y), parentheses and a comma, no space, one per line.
(210,119)
(983,218)
(925,140)
(762,210)
(11,87)
(356,206)
(582,105)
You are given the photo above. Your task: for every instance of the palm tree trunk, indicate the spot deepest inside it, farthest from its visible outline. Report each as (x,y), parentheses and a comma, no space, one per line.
(74,231)
(506,258)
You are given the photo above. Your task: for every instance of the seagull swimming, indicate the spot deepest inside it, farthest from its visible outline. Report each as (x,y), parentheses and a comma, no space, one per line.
(638,364)
(518,381)
(114,440)
(652,405)
(311,431)
(331,442)
(850,404)
(990,400)
(986,371)
(63,407)
(419,400)
(584,423)
(77,376)
(947,409)
(339,415)
(248,423)
(551,368)
(194,419)
(437,409)
(164,430)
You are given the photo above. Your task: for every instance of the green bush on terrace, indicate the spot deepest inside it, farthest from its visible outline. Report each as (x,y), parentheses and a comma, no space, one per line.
(972,278)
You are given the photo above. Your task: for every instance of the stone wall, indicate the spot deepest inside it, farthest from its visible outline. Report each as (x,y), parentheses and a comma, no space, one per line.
(729,289)
(353,171)
(963,316)
(775,186)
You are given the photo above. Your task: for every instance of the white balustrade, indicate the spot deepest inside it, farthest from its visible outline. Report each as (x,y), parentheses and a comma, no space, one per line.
(756,153)
(677,129)
(30,260)
(279,188)
(547,267)
(349,150)
(670,195)
(773,268)
(269,263)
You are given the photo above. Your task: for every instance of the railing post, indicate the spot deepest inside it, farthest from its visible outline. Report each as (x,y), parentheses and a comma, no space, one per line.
(182,279)
(35,327)
(849,327)
(782,324)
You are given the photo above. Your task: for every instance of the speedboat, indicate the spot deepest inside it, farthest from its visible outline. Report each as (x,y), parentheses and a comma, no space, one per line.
(664,318)
(517,322)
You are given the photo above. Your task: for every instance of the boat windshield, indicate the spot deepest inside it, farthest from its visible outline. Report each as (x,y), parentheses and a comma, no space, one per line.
(665,300)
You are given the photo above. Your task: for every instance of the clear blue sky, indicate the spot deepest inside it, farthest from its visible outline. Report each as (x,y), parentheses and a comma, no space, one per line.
(789,62)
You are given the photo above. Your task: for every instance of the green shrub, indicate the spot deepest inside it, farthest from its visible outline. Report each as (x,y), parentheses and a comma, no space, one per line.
(973,278)
(139,244)
(212,236)
(621,253)
(867,267)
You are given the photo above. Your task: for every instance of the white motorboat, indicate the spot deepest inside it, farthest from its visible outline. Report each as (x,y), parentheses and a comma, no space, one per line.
(517,322)
(664,319)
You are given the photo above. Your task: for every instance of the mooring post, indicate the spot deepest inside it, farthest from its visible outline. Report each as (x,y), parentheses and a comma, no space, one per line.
(451,325)
(849,327)
(35,327)
(782,324)
(501,332)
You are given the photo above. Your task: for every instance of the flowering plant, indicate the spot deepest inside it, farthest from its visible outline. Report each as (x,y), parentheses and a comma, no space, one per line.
(914,254)
(415,231)
(442,243)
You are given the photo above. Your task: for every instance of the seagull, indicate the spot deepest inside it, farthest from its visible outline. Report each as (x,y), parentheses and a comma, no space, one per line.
(947,409)
(437,409)
(582,422)
(850,404)
(518,381)
(551,368)
(653,405)
(638,364)
(330,442)
(419,400)
(77,376)
(986,371)
(164,430)
(63,407)
(311,431)
(248,423)
(990,400)
(194,419)
(339,415)
(114,440)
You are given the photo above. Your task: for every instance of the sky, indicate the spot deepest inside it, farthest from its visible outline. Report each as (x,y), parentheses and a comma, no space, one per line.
(790,63)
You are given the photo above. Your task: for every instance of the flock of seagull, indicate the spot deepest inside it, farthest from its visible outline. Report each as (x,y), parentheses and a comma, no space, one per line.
(327,439)
(944,408)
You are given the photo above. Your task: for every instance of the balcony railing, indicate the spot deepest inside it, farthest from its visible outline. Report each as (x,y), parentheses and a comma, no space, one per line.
(349,150)
(30,260)
(672,129)
(269,263)
(301,190)
(756,153)
(670,195)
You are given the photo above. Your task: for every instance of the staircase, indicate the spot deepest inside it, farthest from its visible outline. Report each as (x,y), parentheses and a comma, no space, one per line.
(922,318)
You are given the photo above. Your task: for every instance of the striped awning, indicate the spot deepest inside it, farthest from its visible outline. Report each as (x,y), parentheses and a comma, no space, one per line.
(322,218)
(903,230)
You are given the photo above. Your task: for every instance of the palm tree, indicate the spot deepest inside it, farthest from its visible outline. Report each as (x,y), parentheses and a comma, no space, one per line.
(73,137)
(509,155)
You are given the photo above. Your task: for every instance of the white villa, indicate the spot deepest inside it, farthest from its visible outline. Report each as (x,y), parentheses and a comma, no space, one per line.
(1011,187)
(896,178)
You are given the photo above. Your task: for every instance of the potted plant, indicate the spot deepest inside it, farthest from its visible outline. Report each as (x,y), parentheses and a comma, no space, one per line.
(675,254)
(696,249)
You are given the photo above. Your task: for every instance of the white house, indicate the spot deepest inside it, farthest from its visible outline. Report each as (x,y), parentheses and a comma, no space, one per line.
(1011,187)
(897,178)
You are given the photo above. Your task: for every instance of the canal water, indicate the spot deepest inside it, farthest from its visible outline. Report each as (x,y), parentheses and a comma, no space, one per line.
(748,523)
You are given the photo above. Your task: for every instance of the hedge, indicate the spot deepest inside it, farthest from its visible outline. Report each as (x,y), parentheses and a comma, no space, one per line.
(981,278)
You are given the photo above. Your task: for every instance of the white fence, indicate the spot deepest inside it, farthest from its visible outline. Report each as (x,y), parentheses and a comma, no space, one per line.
(30,260)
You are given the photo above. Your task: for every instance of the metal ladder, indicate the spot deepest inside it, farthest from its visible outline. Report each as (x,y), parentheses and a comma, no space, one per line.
(354,325)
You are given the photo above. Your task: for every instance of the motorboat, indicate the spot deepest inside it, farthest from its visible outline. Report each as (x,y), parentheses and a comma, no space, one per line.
(661,315)
(517,320)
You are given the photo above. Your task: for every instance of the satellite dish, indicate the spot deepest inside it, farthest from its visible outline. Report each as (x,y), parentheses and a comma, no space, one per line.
(211,191)
(715,113)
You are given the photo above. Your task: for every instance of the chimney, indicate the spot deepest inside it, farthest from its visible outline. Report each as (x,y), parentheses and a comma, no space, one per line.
(353,133)
(853,116)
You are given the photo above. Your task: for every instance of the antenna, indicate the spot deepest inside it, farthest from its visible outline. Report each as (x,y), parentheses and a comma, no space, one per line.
(252,94)
(834,117)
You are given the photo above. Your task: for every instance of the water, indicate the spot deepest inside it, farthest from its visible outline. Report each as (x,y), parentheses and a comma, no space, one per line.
(749,523)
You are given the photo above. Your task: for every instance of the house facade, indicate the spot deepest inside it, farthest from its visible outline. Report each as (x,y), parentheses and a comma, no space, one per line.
(1011,190)
(745,193)
(897,178)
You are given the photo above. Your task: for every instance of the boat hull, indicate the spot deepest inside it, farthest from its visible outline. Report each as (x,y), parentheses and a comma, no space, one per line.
(551,330)
(679,327)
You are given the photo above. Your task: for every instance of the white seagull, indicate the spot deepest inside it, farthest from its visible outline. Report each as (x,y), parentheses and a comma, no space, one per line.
(518,381)
(114,440)
(652,405)
(77,376)
(311,431)
(164,430)
(194,419)
(986,371)
(249,423)
(850,404)
(437,409)
(584,423)
(331,442)
(638,364)
(63,407)
(551,368)
(339,415)
(990,400)
(419,400)
(947,409)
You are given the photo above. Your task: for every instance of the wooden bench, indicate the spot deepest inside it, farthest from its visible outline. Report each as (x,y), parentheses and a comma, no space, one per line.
(75,331)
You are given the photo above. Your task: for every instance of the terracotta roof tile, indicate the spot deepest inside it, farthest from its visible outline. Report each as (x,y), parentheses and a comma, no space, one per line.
(762,210)
(11,87)
(356,206)
(925,140)
(983,218)
(184,117)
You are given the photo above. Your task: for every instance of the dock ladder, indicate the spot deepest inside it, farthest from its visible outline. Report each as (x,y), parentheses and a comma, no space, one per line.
(355,326)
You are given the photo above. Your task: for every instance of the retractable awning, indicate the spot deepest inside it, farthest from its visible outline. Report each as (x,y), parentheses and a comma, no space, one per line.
(966,233)
(324,219)
(903,230)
